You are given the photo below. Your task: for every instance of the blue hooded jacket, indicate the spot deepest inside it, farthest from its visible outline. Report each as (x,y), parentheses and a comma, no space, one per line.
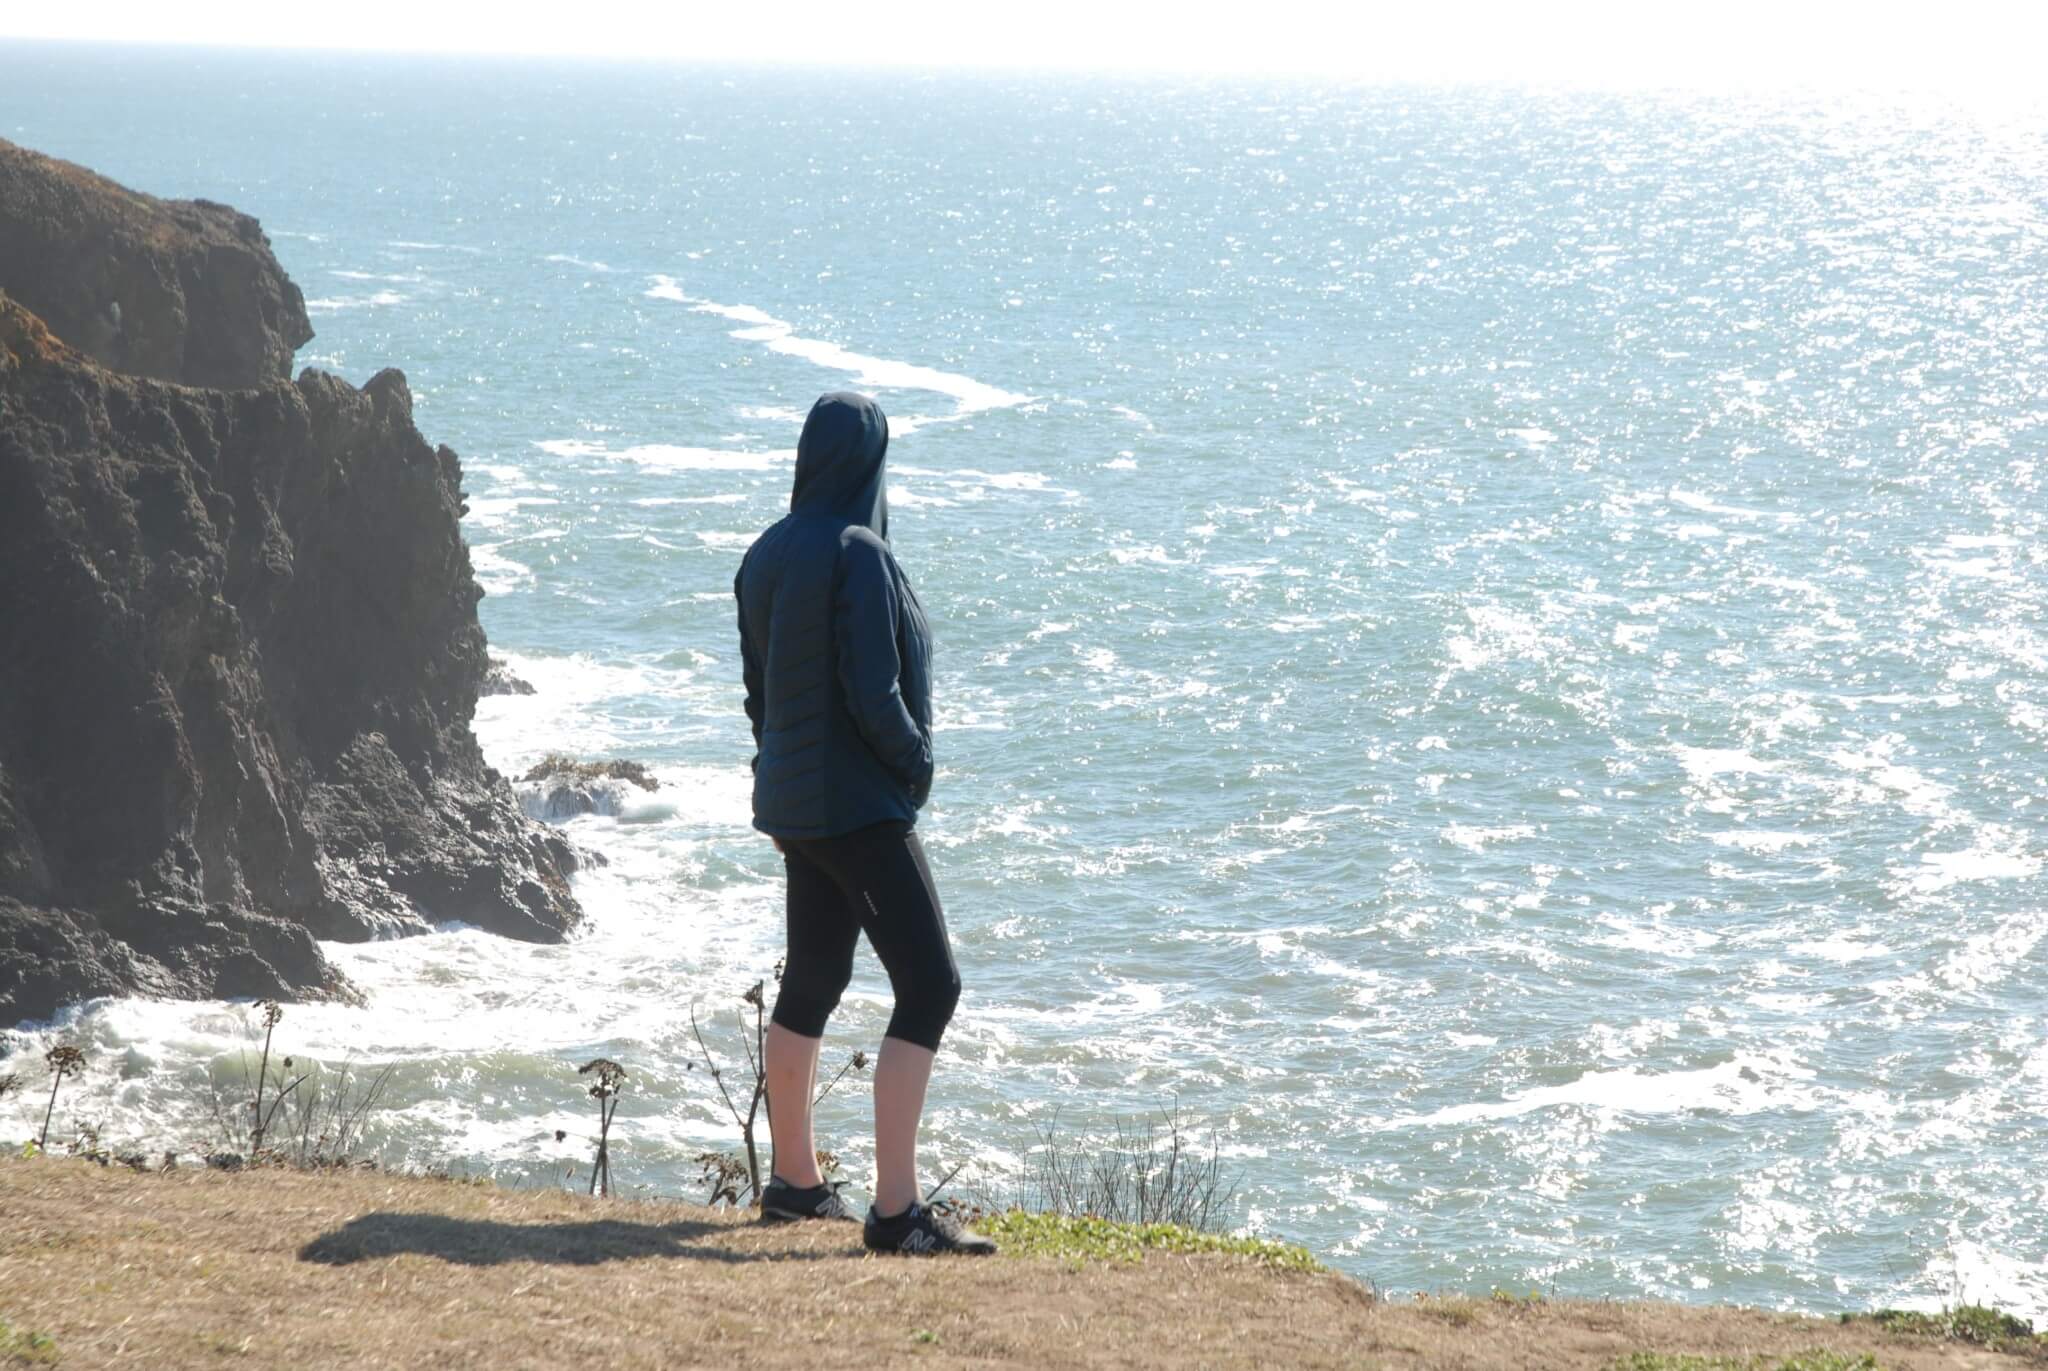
(833,642)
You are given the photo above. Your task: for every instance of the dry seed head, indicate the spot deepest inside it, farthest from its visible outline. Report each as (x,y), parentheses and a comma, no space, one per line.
(65,1060)
(272,1012)
(609,1074)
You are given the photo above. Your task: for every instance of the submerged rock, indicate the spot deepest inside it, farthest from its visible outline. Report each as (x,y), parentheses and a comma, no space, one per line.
(239,658)
(559,787)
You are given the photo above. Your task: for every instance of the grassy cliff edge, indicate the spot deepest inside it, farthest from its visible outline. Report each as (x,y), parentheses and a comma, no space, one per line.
(101,1266)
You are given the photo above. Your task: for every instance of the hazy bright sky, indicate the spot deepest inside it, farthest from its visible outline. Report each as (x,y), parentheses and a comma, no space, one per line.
(1965,46)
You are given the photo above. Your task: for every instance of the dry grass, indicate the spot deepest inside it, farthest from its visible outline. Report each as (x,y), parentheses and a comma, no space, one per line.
(278,1268)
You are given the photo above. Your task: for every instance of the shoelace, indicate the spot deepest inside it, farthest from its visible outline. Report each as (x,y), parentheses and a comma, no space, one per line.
(944,1180)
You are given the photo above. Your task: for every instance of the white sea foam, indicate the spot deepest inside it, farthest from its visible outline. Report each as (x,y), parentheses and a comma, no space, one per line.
(497,573)
(1841,947)
(566,260)
(1477,838)
(1967,1271)
(1982,960)
(1940,870)
(1497,633)
(331,303)
(1743,1086)
(873,373)
(1762,841)
(1707,505)
(1874,773)
(493,511)
(669,456)
(574,708)
(1703,764)
(970,483)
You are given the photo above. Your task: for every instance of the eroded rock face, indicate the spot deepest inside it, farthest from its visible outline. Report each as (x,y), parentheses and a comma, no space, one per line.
(181,290)
(239,658)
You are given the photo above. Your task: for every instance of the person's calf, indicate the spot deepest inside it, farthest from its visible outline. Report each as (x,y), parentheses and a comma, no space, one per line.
(791,1067)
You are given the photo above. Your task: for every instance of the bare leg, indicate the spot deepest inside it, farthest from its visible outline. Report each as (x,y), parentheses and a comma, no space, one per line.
(902,1070)
(792,1079)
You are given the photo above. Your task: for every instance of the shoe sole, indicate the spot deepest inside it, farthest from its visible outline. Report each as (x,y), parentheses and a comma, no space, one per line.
(796,1216)
(932,1252)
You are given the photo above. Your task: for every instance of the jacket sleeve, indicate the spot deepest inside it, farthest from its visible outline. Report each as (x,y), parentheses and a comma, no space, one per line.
(750,671)
(864,623)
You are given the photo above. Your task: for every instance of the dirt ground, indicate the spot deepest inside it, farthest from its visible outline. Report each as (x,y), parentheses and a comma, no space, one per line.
(277,1269)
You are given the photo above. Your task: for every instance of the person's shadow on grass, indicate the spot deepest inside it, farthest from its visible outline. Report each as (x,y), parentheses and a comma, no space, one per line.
(484,1242)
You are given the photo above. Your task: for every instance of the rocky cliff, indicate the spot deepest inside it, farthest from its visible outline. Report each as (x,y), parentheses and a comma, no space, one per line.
(239,650)
(179,290)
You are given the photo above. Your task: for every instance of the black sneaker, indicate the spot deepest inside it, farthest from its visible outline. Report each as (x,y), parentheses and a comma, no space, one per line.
(923,1232)
(782,1202)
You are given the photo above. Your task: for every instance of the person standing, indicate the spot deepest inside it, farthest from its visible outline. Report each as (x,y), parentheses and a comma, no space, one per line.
(836,654)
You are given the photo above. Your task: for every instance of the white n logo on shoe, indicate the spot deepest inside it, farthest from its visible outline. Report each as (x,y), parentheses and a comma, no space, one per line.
(918,1240)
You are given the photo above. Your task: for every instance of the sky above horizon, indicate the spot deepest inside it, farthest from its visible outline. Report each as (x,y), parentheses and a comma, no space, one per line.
(1964,48)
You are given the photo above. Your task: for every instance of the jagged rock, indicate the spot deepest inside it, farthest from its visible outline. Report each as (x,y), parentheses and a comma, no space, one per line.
(181,290)
(239,658)
(157,946)
(499,680)
(559,787)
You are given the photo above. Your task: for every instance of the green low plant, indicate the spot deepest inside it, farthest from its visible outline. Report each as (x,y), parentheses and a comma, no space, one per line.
(1084,1239)
(24,1347)
(1816,1359)
(1971,1323)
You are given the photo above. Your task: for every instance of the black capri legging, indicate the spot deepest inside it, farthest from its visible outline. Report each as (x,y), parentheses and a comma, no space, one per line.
(873,879)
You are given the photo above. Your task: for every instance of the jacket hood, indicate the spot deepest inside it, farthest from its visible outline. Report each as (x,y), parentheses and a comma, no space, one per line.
(839,462)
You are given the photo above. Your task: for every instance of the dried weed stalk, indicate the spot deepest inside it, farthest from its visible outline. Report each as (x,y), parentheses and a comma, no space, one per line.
(64,1060)
(1151,1173)
(723,1171)
(605,1090)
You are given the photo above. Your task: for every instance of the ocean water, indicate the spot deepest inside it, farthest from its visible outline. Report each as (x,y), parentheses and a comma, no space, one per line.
(1492,646)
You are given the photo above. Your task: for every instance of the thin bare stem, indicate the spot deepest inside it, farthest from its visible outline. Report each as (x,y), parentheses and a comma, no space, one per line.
(272,1012)
(65,1060)
(43,1138)
(858,1061)
(717,1075)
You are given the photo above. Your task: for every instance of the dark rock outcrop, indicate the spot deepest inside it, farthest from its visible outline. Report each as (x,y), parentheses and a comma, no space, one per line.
(239,658)
(560,787)
(181,290)
(499,680)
